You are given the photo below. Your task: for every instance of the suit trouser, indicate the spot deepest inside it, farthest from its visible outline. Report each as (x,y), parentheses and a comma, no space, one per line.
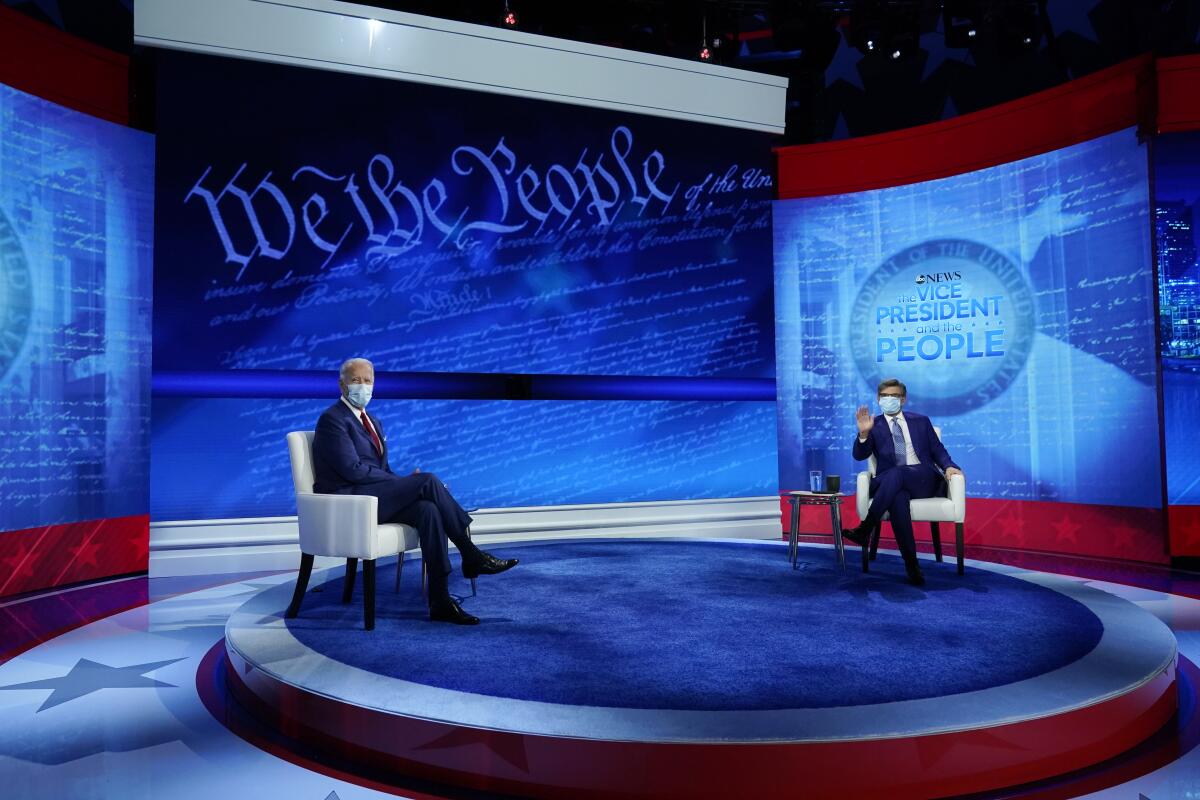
(890,493)
(422,501)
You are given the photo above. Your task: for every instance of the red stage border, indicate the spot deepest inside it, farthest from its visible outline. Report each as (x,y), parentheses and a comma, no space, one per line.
(56,555)
(1130,534)
(1104,102)
(550,767)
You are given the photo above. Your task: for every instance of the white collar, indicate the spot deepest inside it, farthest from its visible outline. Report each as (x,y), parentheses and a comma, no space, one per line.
(355,411)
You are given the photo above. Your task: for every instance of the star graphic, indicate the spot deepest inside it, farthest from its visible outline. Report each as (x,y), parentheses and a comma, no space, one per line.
(1009,524)
(840,129)
(89,676)
(932,750)
(51,10)
(934,44)
(950,110)
(1123,539)
(1190,533)
(509,748)
(85,554)
(1065,530)
(1070,16)
(844,65)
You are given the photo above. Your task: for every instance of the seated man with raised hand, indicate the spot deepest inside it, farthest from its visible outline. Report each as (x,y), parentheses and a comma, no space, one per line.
(909,463)
(350,457)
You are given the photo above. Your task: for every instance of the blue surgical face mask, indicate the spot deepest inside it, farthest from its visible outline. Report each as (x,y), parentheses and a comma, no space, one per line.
(359,394)
(889,405)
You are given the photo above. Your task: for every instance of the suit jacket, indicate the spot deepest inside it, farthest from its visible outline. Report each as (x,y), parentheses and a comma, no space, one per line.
(924,440)
(345,460)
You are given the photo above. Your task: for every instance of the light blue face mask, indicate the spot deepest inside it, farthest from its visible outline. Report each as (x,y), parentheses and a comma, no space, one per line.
(359,394)
(889,405)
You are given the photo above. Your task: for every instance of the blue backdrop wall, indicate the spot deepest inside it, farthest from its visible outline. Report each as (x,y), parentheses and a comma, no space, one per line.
(1017,304)
(76,201)
(305,217)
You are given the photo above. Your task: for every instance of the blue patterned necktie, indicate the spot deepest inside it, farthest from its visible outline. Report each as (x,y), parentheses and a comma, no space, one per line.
(898,443)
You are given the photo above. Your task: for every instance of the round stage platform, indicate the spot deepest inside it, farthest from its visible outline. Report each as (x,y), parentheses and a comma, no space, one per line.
(705,668)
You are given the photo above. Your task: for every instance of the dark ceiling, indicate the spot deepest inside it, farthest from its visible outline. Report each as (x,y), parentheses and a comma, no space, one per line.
(856,66)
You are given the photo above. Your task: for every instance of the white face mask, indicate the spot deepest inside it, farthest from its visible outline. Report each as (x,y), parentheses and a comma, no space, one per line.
(889,405)
(359,394)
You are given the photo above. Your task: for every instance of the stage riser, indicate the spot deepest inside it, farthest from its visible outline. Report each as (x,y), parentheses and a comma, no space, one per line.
(560,767)
(1111,696)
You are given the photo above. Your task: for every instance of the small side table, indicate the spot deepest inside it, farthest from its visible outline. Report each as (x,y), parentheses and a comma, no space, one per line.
(834,501)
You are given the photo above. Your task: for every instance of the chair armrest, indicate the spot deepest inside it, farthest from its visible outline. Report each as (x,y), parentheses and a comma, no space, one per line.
(862,494)
(341,525)
(957,492)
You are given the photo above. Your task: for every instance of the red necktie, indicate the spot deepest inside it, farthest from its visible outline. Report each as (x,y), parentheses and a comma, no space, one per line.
(370,430)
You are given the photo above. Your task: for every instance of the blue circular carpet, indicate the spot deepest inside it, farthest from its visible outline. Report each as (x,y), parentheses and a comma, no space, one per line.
(707,626)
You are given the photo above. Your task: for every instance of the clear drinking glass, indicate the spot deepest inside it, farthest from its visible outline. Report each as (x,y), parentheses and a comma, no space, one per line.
(816,480)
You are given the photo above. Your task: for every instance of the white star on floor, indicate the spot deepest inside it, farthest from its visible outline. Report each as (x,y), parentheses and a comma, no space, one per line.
(89,676)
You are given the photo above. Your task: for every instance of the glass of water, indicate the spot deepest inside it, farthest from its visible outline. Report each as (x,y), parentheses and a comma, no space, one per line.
(816,482)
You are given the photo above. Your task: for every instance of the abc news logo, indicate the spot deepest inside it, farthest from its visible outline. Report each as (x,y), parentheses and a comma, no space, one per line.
(938,277)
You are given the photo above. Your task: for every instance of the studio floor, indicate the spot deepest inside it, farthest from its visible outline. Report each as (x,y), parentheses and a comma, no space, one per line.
(109,690)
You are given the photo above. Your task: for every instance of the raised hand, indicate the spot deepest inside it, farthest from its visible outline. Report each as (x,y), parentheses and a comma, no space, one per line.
(863,418)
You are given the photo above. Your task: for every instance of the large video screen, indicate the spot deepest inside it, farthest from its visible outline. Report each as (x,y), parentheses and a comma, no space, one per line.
(321,216)
(1176,200)
(76,204)
(1016,303)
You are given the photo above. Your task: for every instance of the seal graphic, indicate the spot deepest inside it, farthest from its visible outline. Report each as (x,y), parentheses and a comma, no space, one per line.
(952,318)
(16,296)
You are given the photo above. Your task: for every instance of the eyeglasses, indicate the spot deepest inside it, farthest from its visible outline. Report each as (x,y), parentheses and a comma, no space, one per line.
(897,396)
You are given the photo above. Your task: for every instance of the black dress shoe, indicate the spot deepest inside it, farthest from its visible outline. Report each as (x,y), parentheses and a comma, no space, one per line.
(914,574)
(486,564)
(450,611)
(857,535)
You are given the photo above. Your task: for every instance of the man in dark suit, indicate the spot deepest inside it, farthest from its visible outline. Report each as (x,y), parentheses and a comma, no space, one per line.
(909,464)
(350,457)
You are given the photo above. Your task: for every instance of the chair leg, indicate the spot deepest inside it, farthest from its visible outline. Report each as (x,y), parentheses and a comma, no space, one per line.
(351,574)
(369,593)
(958,545)
(865,552)
(399,569)
(875,534)
(424,573)
(936,535)
(306,565)
(472,579)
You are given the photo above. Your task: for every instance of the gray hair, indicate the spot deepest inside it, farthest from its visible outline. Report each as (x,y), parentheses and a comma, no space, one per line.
(888,383)
(348,365)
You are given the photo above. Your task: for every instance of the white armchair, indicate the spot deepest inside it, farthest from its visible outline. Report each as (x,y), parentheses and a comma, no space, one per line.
(951,508)
(344,526)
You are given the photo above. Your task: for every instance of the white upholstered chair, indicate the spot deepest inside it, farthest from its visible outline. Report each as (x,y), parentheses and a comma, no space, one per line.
(934,510)
(343,526)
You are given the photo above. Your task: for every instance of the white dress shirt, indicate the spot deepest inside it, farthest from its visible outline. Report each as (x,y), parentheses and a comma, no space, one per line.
(358,415)
(910,452)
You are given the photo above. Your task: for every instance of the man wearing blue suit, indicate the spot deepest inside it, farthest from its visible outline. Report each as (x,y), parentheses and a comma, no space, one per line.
(909,464)
(350,457)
